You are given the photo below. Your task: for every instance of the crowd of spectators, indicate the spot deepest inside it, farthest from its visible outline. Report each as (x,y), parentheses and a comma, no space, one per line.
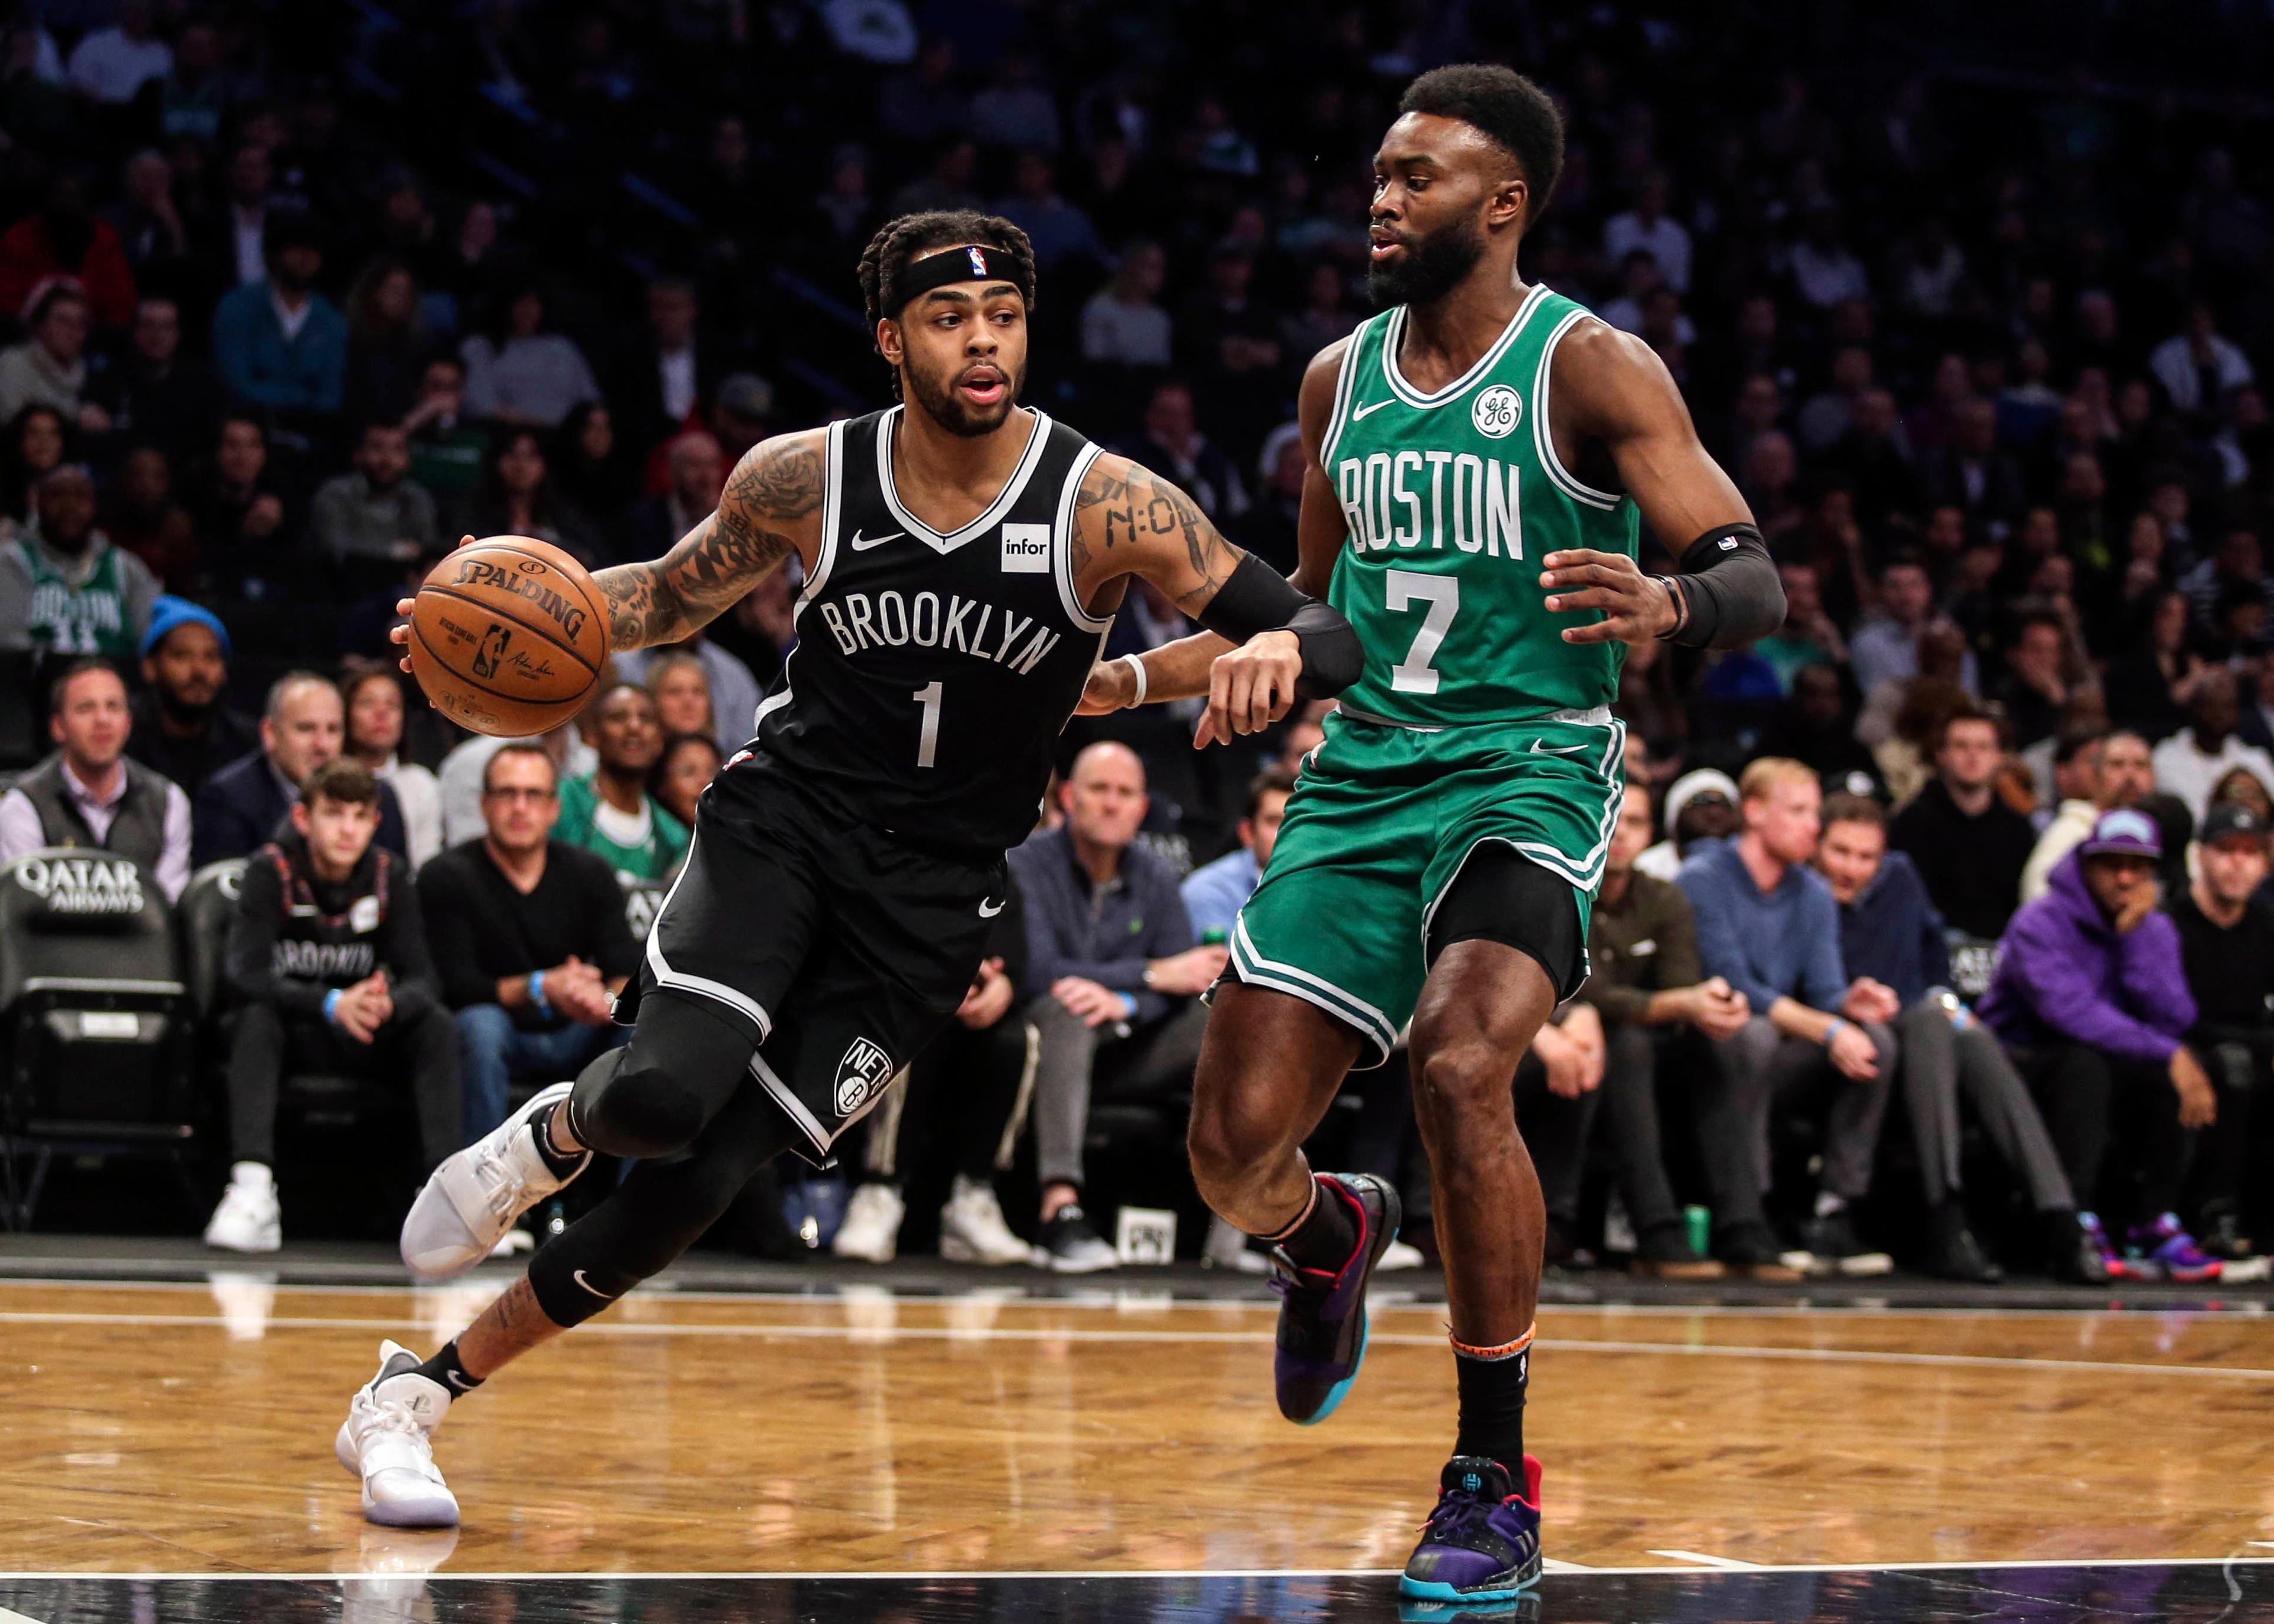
(290,297)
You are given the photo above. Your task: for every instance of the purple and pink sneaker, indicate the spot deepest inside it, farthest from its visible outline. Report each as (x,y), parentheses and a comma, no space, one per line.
(2166,1251)
(1322,1341)
(1482,1541)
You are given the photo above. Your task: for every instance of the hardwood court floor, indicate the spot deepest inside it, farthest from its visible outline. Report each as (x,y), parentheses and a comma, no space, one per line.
(187,1429)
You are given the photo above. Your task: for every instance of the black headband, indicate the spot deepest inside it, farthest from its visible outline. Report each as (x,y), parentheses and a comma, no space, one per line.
(939,270)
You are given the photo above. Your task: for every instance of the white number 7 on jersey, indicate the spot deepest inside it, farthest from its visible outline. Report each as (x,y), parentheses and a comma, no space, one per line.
(1414,674)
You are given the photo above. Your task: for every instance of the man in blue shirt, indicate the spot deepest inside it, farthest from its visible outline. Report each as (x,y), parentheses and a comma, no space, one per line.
(1768,926)
(1112,975)
(1214,894)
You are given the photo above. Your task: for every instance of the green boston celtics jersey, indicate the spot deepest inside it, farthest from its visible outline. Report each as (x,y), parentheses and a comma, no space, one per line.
(87,618)
(1452,498)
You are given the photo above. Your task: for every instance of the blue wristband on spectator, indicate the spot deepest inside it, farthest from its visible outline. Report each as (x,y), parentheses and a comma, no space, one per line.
(1832,1031)
(331,1003)
(537,994)
(1128,1004)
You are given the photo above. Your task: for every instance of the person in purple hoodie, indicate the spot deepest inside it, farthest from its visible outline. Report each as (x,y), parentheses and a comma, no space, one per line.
(2090,999)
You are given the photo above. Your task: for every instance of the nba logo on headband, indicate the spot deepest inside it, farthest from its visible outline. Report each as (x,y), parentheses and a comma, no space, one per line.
(978,262)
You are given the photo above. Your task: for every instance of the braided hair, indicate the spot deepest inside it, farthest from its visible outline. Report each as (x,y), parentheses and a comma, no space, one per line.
(898,244)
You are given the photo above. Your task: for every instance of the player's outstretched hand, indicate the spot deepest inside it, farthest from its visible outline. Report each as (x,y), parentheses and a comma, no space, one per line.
(1636,605)
(400,634)
(1250,687)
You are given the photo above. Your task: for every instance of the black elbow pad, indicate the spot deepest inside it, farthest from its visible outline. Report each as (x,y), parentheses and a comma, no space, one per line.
(1730,589)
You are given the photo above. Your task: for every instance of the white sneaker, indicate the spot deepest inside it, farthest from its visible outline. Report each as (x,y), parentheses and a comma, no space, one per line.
(247,1219)
(871,1230)
(971,1227)
(470,1200)
(387,1440)
(1398,1255)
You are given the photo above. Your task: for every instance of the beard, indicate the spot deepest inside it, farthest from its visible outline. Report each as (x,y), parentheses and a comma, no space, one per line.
(937,394)
(1432,267)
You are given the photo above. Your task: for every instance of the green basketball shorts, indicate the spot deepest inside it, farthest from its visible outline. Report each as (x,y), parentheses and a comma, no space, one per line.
(1380,822)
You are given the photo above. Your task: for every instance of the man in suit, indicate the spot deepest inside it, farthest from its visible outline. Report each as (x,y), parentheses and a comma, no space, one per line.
(663,380)
(240,807)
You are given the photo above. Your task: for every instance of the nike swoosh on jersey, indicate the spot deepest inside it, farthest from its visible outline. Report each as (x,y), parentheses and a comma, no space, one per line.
(1357,412)
(987,913)
(862,544)
(579,1276)
(1539,748)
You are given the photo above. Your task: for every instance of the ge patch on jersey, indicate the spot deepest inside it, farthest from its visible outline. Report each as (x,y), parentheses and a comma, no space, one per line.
(1497,411)
(1026,549)
(864,1070)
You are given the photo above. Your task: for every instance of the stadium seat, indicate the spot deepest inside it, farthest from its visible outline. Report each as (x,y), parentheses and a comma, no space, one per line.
(94,1015)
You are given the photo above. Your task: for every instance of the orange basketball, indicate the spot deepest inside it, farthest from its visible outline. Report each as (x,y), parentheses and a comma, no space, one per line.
(507,636)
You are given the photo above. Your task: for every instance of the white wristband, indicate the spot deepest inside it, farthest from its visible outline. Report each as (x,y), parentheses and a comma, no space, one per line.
(1136,664)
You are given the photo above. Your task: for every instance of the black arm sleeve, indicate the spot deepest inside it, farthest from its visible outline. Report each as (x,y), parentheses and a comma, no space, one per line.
(1257,599)
(1730,587)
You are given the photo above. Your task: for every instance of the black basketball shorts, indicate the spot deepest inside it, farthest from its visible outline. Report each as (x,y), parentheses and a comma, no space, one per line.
(842,947)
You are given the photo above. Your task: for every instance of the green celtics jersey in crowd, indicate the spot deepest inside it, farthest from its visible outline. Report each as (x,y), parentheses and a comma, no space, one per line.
(1452,498)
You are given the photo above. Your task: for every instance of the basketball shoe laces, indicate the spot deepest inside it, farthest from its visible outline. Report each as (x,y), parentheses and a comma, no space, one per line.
(1461,1514)
(494,1171)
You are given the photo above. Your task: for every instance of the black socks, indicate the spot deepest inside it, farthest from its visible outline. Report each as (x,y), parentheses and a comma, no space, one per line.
(1492,1383)
(1323,1238)
(445,1371)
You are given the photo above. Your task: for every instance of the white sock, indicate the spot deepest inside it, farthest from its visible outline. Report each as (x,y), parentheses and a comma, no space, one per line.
(253,1174)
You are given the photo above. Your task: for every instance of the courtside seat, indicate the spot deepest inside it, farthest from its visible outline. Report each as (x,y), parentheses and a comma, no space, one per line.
(94,1015)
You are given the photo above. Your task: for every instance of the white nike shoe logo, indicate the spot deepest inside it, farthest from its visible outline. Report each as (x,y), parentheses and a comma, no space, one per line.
(1539,748)
(1357,412)
(579,1276)
(862,544)
(986,912)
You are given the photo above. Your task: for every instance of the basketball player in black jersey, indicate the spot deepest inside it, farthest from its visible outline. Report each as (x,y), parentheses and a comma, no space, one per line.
(963,558)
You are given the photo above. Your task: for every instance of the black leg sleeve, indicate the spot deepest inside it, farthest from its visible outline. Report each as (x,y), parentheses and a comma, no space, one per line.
(686,1060)
(661,1208)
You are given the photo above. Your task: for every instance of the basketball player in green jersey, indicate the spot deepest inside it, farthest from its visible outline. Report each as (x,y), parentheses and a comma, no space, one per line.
(1481,455)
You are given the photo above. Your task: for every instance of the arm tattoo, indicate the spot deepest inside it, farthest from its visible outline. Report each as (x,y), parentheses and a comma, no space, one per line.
(716,563)
(1142,510)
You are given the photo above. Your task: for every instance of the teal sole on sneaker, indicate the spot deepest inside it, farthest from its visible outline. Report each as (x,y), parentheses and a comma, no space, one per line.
(1426,1589)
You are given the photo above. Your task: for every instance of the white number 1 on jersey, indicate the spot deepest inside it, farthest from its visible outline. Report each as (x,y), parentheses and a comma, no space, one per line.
(928,740)
(1414,674)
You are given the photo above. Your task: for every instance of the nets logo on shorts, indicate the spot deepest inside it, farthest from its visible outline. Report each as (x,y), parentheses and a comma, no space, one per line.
(861,1076)
(1497,413)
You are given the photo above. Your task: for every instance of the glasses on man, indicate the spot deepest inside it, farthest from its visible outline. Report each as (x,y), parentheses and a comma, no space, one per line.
(519,794)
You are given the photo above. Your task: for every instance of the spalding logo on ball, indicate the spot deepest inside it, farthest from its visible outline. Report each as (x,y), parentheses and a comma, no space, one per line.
(507,636)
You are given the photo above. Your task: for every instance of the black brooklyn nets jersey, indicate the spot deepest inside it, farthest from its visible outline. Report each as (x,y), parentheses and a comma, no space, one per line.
(934,672)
